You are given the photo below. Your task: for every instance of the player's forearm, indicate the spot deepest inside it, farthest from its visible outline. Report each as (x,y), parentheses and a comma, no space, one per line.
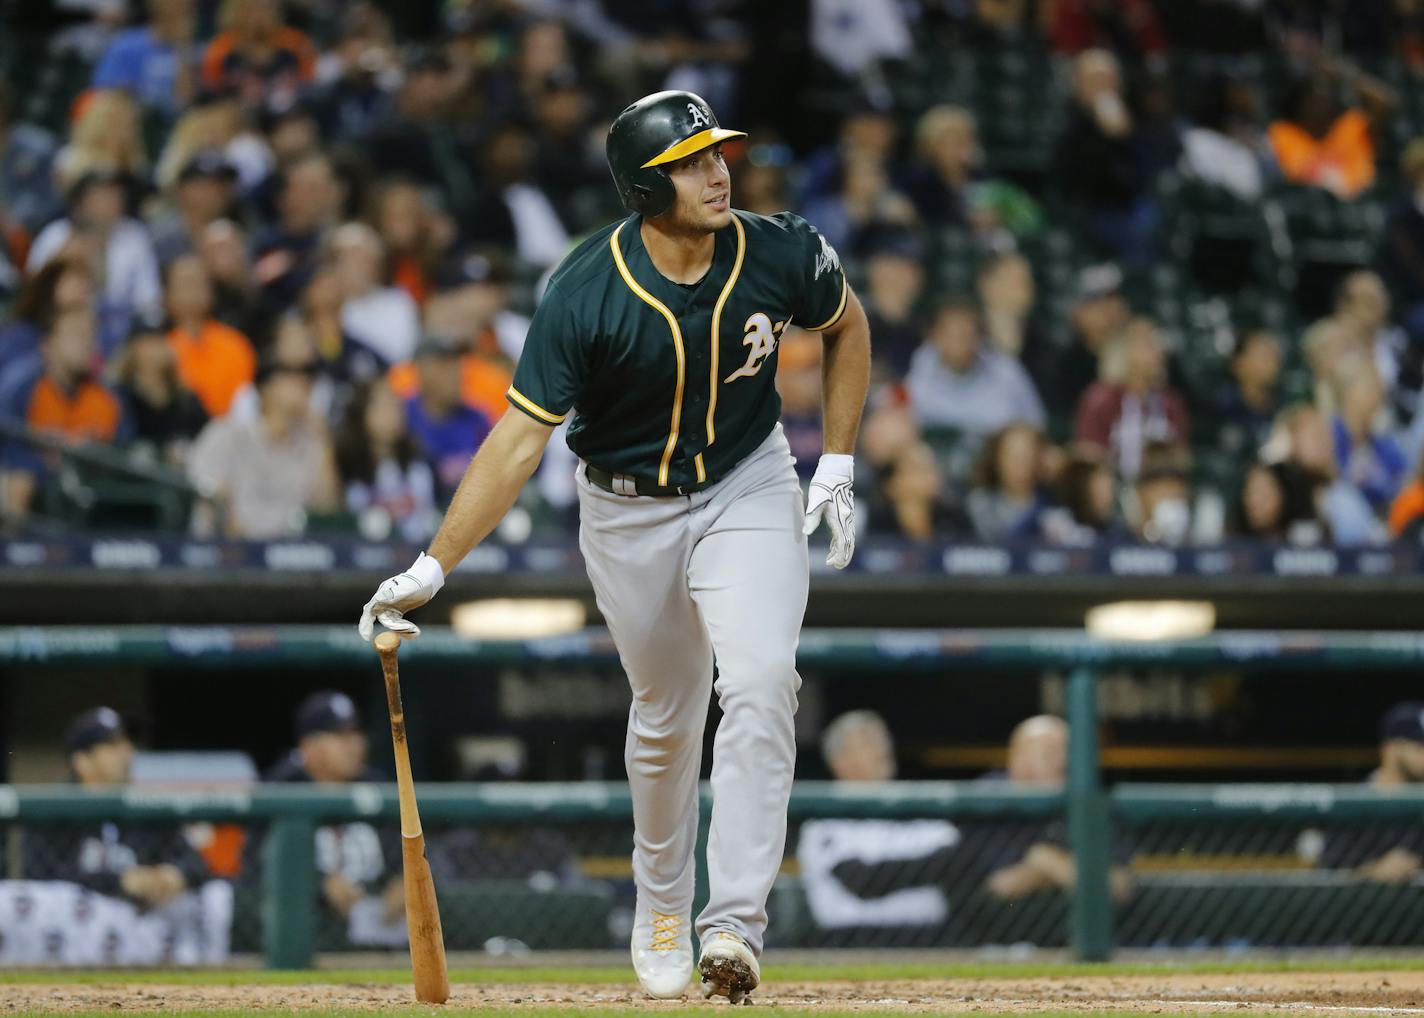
(845,379)
(491,483)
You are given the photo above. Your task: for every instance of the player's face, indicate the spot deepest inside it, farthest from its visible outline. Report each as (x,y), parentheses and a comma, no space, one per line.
(335,756)
(1409,755)
(867,755)
(704,191)
(108,763)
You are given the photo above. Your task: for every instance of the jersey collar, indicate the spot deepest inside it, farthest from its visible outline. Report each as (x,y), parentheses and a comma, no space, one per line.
(676,296)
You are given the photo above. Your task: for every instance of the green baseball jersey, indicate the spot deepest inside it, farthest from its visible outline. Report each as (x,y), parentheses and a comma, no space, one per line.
(667,382)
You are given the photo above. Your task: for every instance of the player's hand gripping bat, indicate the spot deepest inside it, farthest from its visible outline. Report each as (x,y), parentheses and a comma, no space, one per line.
(422,911)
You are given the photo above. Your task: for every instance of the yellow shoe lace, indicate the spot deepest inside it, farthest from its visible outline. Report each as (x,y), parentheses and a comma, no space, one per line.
(665,931)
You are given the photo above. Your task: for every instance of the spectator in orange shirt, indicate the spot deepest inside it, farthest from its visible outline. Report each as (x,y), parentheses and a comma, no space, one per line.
(214,360)
(62,400)
(262,60)
(1319,144)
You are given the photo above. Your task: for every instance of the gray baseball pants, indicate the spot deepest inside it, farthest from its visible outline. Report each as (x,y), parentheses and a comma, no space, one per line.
(720,575)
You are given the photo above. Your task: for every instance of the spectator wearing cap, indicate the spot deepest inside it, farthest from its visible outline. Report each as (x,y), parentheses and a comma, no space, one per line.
(381,318)
(202,196)
(358,865)
(1389,853)
(213,359)
(447,429)
(118,247)
(26,162)
(1132,405)
(163,413)
(155,62)
(288,253)
(895,284)
(266,473)
(257,57)
(148,866)
(1097,318)
(1096,165)
(956,382)
(63,399)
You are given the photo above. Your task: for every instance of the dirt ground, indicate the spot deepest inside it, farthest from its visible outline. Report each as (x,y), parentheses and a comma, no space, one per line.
(1171,993)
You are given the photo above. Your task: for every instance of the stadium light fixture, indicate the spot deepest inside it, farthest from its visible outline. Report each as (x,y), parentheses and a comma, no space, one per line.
(1151,620)
(507,618)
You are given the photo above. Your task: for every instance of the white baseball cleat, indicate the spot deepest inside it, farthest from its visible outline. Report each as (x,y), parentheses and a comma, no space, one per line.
(662,953)
(728,967)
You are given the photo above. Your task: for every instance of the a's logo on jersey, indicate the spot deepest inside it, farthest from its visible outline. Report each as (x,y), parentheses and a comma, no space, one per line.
(827,260)
(761,339)
(698,117)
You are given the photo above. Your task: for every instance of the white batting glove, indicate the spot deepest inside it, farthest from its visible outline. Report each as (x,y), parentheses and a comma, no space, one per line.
(401,594)
(831,498)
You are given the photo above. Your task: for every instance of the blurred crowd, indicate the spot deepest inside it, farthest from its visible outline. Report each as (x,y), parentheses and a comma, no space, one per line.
(280,257)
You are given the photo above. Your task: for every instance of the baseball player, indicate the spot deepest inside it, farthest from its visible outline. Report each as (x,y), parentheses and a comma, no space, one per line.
(659,335)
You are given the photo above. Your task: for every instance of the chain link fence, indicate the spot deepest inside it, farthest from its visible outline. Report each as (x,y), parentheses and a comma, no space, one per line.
(964,867)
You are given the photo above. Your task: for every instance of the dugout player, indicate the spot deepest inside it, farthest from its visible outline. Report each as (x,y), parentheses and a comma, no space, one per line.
(658,335)
(147,866)
(357,863)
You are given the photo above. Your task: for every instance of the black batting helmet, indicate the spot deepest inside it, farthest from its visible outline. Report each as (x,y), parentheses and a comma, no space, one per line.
(656,130)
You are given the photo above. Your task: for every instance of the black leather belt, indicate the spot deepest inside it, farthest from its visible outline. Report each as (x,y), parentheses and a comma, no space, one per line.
(627,484)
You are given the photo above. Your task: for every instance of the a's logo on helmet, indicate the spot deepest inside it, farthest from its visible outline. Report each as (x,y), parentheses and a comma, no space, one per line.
(698,117)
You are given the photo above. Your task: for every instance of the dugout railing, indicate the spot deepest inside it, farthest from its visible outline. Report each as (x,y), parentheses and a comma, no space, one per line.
(1298,905)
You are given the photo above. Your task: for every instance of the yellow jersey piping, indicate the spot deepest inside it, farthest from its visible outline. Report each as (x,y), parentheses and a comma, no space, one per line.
(658,305)
(717,326)
(840,309)
(533,409)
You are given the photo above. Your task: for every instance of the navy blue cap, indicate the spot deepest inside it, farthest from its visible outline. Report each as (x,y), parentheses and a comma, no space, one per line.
(93,728)
(327,711)
(208,163)
(1403,721)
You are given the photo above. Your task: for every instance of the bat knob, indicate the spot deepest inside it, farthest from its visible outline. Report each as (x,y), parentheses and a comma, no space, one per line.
(388,643)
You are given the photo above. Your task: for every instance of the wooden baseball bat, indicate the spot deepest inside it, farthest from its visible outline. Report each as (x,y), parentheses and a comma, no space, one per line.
(422,910)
